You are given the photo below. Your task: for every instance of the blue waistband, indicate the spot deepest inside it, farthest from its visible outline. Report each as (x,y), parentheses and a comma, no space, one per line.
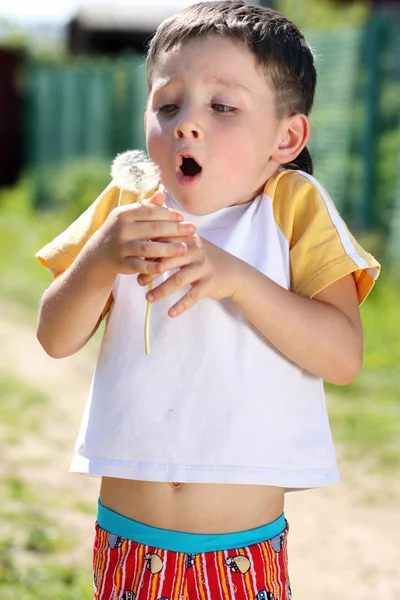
(189,543)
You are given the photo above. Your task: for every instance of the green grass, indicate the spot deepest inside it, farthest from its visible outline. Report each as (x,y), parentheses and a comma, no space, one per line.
(23,232)
(20,404)
(35,551)
(69,189)
(33,547)
(365,415)
(47,582)
(29,565)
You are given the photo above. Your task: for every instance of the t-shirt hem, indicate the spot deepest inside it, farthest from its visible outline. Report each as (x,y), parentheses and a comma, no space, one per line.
(287,478)
(337,269)
(57,261)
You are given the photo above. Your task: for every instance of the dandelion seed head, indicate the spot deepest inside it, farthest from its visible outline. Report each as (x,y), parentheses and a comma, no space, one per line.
(134,171)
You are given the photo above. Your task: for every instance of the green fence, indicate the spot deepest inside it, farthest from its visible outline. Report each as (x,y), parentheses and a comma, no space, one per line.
(92,109)
(385,210)
(338,64)
(95,109)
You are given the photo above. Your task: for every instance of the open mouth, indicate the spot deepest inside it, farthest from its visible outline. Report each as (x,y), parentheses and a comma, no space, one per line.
(189,167)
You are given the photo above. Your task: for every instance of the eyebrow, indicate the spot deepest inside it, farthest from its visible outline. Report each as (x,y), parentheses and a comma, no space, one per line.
(218,79)
(229,83)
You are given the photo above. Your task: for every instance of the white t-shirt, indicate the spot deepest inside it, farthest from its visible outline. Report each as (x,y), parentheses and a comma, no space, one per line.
(215,402)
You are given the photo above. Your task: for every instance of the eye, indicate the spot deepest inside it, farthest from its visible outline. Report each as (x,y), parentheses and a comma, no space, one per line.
(168,108)
(224,108)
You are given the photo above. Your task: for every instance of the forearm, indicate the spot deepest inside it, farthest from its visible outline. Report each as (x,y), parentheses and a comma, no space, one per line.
(71,307)
(315,335)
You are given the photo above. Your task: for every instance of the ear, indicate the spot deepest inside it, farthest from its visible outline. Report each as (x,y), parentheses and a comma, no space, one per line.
(293,137)
(145,121)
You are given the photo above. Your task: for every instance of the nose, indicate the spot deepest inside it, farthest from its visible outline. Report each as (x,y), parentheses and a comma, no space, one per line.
(187,127)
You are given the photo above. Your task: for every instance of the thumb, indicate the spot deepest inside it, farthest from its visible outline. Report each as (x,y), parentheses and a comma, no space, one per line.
(158,198)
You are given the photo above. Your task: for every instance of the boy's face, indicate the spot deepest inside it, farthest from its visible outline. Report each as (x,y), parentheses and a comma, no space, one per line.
(209,101)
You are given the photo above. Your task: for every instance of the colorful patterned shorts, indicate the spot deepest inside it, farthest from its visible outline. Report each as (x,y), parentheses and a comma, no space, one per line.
(130,562)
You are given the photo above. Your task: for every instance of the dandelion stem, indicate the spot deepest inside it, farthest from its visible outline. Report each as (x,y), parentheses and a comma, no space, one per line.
(135,172)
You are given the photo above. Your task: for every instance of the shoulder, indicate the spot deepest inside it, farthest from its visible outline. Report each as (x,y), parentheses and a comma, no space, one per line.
(296,198)
(322,248)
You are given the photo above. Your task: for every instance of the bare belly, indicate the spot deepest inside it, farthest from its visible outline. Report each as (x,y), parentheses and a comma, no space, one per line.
(193,507)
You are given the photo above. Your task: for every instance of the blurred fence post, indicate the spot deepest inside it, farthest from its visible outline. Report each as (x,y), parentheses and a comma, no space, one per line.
(130,103)
(393,252)
(338,56)
(373,39)
(393,69)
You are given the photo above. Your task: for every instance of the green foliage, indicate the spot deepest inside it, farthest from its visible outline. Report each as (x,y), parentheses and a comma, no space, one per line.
(69,189)
(62,193)
(15,39)
(23,231)
(323,14)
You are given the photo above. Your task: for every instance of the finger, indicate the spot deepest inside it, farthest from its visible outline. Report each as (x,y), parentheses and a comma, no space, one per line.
(150,249)
(169,264)
(158,198)
(133,264)
(149,212)
(188,240)
(185,276)
(145,279)
(154,230)
(197,292)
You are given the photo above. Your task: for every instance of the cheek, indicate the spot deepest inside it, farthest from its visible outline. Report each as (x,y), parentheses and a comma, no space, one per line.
(237,151)
(156,140)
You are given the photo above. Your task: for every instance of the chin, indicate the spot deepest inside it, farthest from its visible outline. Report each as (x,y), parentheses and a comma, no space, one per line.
(192,205)
(194,209)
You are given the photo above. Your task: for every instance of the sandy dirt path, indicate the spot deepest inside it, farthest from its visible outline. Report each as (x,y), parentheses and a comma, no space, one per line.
(343,542)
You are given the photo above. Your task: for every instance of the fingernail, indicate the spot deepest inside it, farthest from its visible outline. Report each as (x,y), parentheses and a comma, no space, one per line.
(190,228)
(180,217)
(149,297)
(140,280)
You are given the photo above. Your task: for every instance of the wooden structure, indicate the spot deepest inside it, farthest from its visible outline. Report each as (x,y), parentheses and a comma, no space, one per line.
(10,116)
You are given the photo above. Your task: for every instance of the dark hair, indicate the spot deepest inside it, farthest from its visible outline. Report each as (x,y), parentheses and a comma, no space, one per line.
(279,47)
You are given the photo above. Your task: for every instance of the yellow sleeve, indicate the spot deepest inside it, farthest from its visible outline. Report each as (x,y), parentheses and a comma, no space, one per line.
(60,253)
(321,248)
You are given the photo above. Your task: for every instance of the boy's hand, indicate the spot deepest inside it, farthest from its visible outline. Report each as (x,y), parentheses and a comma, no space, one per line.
(127,242)
(210,271)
